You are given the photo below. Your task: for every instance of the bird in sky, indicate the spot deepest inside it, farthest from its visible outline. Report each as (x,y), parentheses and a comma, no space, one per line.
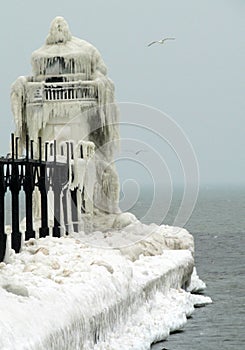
(140,150)
(136,152)
(162,41)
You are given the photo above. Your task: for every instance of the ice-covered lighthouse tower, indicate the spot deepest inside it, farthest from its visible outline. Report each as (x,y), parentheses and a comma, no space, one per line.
(69,98)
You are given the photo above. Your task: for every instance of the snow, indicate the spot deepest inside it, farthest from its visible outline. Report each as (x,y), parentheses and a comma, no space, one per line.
(62,293)
(119,285)
(123,220)
(125,232)
(59,32)
(70,97)
(79,55)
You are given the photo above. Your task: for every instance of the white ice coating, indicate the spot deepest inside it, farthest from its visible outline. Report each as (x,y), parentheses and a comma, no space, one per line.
(82,176)
(60,43)
(119,286)
(64,294)
(59,32)
(69,97)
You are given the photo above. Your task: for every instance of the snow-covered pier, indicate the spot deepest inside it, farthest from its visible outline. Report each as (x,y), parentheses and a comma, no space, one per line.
(65,293)
(101,279)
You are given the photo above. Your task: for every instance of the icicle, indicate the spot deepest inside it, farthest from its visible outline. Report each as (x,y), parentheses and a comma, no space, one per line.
(18,99)
(88,101)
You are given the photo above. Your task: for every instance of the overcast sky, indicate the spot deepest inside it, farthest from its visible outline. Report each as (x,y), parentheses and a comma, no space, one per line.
(198,79)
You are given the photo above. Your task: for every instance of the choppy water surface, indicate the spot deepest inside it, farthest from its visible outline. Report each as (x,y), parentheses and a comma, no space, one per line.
(218,226)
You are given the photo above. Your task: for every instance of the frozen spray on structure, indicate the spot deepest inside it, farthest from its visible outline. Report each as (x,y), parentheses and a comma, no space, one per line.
(69,98)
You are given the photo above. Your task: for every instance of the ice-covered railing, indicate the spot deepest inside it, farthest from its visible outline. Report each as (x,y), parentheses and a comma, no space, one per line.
(70,92)
(77,195)
(60,185)
(44,92)
(27,174)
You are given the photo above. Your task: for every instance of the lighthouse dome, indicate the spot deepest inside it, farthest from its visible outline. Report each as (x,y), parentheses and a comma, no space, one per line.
(64,54)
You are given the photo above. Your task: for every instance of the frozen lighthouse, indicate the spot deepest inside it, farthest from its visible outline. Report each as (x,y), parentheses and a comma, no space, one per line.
(112,282)
(69,99)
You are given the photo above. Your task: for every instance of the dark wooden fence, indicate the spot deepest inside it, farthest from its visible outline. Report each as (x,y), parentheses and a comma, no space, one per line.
(25,174)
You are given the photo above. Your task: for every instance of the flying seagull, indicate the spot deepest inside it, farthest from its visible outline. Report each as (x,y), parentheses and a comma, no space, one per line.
(140,150)
(137,152)
(162,41)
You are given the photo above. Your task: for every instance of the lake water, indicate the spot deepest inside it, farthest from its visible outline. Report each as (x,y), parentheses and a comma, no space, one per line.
(218,227)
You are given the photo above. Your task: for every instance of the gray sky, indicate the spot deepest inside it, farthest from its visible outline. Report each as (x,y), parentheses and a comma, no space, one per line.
(196,79)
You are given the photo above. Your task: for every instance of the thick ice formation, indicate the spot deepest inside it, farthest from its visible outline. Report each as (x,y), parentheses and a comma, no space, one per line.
(120,286)
(69,97)
(78,55)
(64,294)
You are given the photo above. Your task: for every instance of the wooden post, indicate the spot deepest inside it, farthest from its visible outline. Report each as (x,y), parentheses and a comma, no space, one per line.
(42,184)
(65,211)
(12,146)
(74,212)
(32,151)
(65,191)
(56,228)
(40,148)
(29,188)
(46,151)
(16,147)
(57,191)
(3,236)
(27,147)
(15,188)
(44,229)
